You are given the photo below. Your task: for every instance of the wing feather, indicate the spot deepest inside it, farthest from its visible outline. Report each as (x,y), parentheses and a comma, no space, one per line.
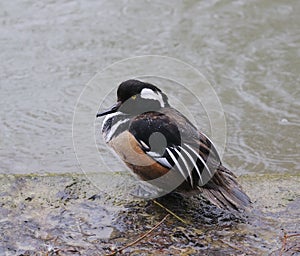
(192,154)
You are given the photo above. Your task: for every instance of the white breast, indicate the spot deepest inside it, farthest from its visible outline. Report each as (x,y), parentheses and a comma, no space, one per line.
(108,133)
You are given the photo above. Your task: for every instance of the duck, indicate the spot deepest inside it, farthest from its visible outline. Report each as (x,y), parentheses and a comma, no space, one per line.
(165,149)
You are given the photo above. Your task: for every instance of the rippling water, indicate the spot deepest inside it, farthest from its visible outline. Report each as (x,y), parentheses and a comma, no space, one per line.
(248,50)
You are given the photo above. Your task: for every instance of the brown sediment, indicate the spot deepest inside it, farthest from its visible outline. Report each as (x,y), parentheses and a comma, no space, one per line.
(67,214)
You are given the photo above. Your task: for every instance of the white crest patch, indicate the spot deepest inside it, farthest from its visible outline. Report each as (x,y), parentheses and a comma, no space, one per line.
(147,93)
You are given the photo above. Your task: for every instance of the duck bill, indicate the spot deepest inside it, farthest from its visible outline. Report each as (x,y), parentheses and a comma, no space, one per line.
(113,109)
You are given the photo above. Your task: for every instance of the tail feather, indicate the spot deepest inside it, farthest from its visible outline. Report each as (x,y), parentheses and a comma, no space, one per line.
(224,191)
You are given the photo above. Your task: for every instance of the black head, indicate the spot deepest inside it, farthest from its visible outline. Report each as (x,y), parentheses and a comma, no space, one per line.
(133,87)
(134,96)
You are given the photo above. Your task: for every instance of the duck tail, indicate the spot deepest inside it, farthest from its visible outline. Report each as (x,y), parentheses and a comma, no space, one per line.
(224,191)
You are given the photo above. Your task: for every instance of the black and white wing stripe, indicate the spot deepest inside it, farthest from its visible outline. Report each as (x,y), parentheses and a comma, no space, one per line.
(176,146)
(185,160)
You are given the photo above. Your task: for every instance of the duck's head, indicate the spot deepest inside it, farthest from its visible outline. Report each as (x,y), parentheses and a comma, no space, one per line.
(135,97)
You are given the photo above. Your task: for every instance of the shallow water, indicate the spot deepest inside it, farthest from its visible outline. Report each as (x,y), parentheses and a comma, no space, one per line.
(249,51)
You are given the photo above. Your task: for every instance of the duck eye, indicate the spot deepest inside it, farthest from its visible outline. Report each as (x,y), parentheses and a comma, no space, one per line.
(133,97)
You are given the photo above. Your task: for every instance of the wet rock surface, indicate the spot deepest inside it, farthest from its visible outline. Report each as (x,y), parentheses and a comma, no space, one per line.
(68,215)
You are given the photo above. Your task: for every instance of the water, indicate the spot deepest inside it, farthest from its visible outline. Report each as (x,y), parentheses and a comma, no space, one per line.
(249,51)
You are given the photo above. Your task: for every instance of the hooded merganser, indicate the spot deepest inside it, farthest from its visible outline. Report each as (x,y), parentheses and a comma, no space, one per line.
(154,140)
